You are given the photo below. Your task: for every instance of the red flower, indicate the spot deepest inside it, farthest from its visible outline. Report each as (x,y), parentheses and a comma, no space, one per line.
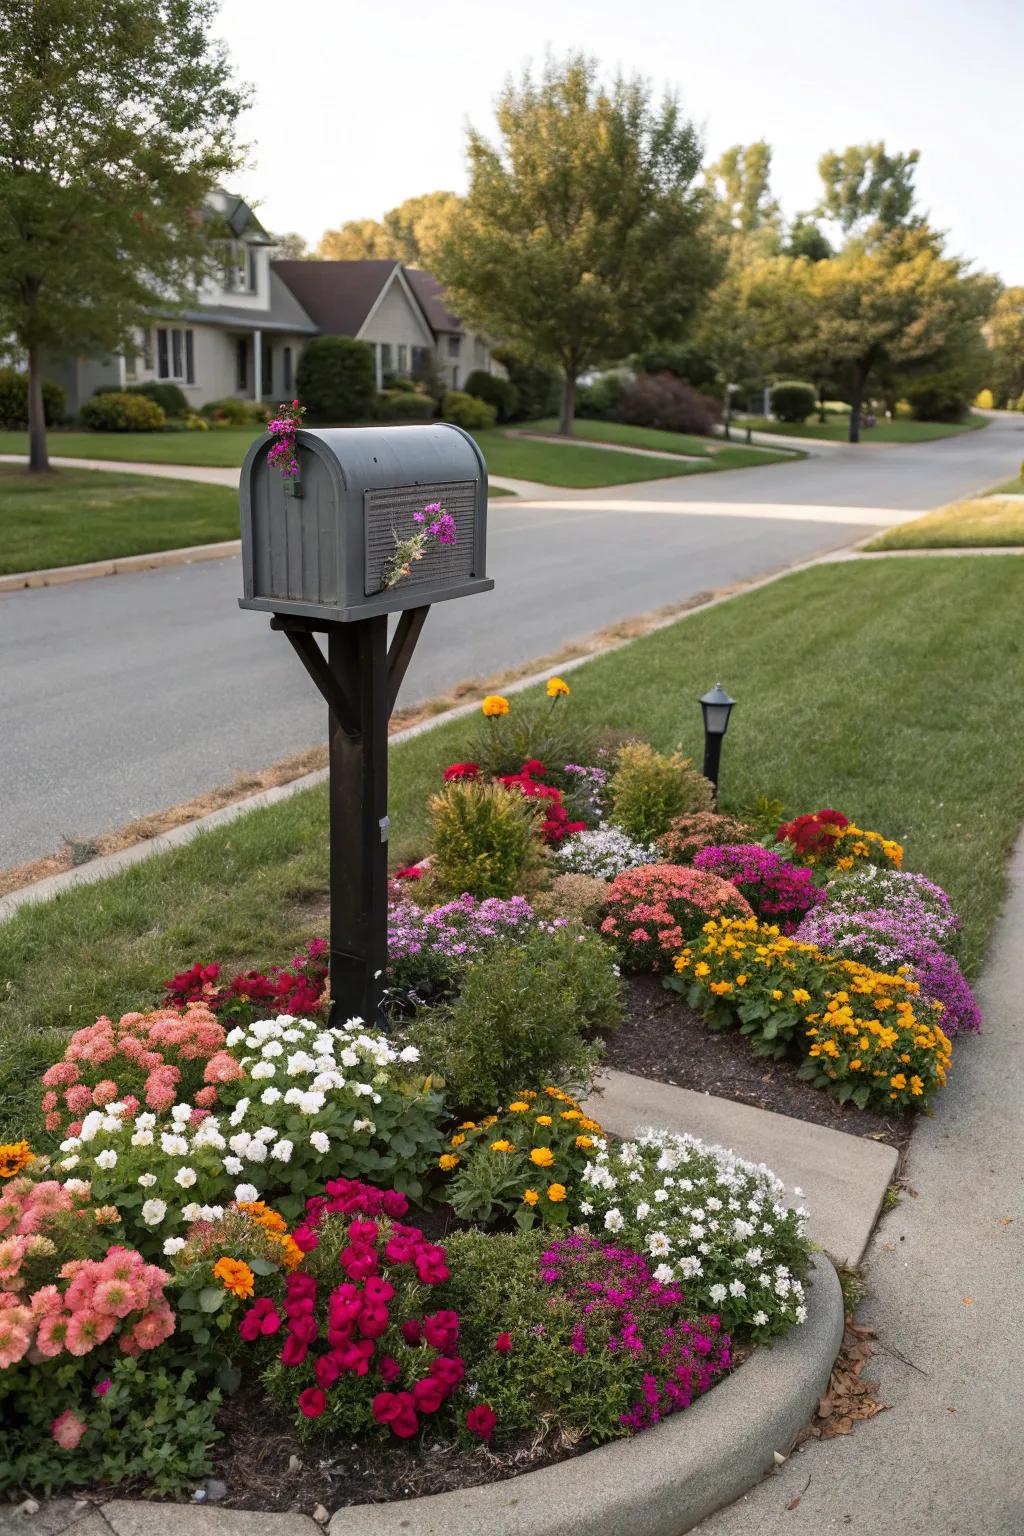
(312,1402)
(326,1370)
(294,1352)
(428,1394)
(430,1265)
(448,1369)
(533,769)
(387,1369)
(461,771)
(411,1330)
(397,1409)
(411,872)
(503,1343)
(441,1329)
(481,1420)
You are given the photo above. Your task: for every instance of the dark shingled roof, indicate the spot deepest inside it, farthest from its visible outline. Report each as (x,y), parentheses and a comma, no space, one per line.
(431,296)
(337,295)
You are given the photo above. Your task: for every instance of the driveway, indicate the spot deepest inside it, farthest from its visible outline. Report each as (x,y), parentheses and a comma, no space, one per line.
(124,695)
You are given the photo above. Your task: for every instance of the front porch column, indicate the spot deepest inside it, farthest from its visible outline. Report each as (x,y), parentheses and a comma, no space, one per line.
(257,365)
(378,370)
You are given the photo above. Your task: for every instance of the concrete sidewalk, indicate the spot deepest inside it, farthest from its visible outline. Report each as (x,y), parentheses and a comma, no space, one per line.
(946,1279)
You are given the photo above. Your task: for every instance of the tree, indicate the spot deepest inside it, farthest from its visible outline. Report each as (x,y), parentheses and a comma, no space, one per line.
(291,247)
(412,232)
(740,182)
(1005,335)
(806,238)
(583,236)
(865,187)
(116,119)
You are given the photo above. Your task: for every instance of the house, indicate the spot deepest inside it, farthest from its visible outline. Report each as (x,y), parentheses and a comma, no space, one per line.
(397,310)
(243,335)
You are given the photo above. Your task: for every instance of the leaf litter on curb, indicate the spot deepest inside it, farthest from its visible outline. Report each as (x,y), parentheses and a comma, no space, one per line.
(849,1398)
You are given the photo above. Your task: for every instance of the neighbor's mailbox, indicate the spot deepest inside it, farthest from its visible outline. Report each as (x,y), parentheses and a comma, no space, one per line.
(318,553)
(322,553)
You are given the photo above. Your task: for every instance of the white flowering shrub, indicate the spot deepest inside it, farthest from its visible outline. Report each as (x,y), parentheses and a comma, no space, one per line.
(603,852)
(313,1103)
(709,1220)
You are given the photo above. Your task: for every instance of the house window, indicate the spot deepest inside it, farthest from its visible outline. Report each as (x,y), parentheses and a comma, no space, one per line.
(175,354)
(242,363)
(386,363)
(419,358)
(252,268)
(403,358)
(286,368)
(239,266)
(454,343)
(267,369)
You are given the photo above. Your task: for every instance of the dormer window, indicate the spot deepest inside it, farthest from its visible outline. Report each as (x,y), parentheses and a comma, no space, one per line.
(240,275)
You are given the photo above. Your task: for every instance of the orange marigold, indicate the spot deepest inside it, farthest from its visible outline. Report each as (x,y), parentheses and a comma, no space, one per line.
(235,1277)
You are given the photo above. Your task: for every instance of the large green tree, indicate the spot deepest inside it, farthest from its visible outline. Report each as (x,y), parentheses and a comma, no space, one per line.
(117,117)
(584,235)
(867,188)
(740,182)
(1005,336)
(412,232)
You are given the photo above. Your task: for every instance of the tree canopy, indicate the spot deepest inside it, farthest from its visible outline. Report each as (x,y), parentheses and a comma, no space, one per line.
(413,232)
(117,118)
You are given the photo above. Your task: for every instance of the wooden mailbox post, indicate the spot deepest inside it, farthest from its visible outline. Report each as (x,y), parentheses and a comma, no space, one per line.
(315,552)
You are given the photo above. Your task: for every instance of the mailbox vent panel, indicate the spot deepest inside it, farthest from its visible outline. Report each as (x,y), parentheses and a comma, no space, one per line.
(389,513)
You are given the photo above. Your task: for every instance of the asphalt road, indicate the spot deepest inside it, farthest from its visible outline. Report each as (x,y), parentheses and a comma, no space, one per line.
(124,695)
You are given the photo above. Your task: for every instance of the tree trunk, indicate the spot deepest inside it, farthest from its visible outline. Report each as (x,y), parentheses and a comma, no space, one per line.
(856,401)
(38,459)
(822,414)
(568,403)
(727,417)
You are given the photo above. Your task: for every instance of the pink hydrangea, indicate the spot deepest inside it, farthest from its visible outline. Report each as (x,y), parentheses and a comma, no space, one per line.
(67,1429)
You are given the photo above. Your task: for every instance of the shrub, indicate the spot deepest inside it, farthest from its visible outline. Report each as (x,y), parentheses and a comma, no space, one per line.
(649,791)
(14,400)
(527,728)
(602,400)
(662,400)
(917,902)
(538,385)
(169,397)
(230,412)
(689,834)
(984,400)
(403,405)
(523,1163)
(500,393)
(776,889)
(653,910)
(829,840)
(428,951)
(555,825)
(336,380)
(399,384)
(603,853)
(731,1241)
(791,401)
(943,396)
(579,899)
(119,412)
(486,839)
(464,411)
(523,1012)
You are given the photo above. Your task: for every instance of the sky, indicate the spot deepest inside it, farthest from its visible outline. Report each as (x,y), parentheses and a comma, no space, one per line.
(359,106)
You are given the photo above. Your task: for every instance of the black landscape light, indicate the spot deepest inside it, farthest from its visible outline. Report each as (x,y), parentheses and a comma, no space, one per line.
(716,708)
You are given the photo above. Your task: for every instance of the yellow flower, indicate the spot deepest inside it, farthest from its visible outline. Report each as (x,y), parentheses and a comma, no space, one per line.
(800,996)
(777,995)
(557,689)
(235,1276)
(720,988)
(542,1156)
(570,1114)
(494,705)
(543,1119)
(518,1105)
(741,981)
(702,968)
(467,1125)
(556,1192)
(14,1156)
(448,1161)
(899,1080)
(583,1142)
(503,1146)
(530,1197)
(457,1141)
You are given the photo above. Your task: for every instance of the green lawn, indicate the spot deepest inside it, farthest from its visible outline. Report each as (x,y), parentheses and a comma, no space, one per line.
(716,453)
(74,515)
(962,525)
(1009,488)
(902,430)
(222,448)
(892,689)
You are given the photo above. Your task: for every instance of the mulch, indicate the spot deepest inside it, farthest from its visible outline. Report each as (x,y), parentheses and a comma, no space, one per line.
(662,1038)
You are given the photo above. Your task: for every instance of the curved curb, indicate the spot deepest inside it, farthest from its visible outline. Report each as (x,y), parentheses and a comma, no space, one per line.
(662,1482)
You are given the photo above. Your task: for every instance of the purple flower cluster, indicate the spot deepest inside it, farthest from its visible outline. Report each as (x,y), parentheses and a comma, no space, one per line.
(887,939)
(428,950)
(441,528)
(777,890)
(587,786)
(923,905)
(625,1309)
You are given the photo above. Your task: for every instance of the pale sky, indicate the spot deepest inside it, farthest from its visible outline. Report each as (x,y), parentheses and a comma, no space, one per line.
(359,106)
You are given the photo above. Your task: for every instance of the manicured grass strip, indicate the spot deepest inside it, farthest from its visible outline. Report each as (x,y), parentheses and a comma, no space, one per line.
(716,453)
(575,466)
(220,447)
(74,515)
(892,690)
(902,430)
(1009,488)
(962,525)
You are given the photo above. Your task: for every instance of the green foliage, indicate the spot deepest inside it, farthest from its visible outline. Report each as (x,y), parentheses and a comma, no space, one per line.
(411,232)
(335,379)
(583,232)
(485,839)
(940,396)
(403,405)
(467,412)
(741,183)
(231,412)
(151,1425)
(866,186)
(14,400)
(549,730)
(537,384)
(523,1015)
(501,393)
(579,898)
(120,412)
(602,399)
(649,790)
(705,829)
(792,401)
(169,397)
(765,814)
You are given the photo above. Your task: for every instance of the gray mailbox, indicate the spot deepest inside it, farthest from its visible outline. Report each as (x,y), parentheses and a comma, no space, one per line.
(316,552)
(323,552)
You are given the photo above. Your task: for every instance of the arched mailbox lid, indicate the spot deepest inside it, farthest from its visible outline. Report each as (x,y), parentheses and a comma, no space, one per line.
(322,553)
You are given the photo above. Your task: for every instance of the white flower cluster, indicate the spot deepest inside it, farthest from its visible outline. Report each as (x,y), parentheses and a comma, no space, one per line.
(603,852)
(718,1224)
